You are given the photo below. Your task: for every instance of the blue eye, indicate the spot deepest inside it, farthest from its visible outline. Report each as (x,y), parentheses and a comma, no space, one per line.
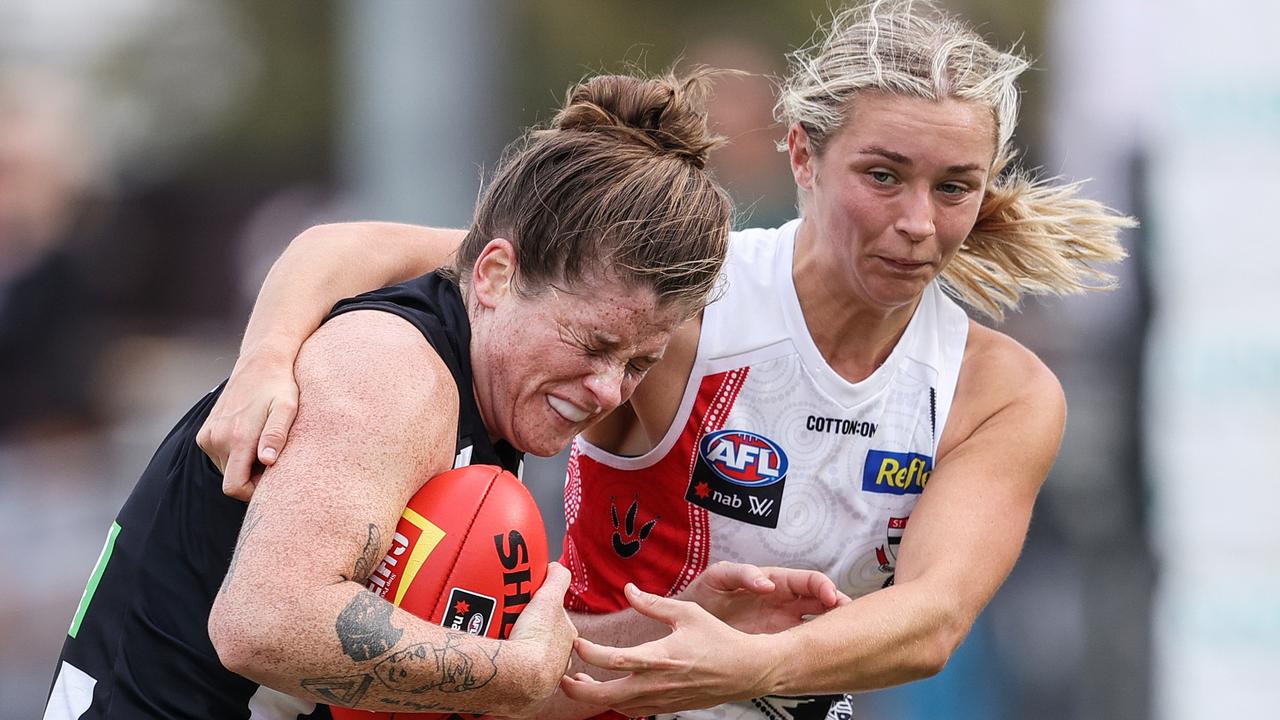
(882,177)
(953,189)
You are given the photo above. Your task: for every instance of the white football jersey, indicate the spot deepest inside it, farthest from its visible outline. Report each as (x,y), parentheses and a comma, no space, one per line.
(773,458)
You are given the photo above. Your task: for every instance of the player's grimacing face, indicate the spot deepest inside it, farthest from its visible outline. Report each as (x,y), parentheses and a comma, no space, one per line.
(895,192)
(571,357)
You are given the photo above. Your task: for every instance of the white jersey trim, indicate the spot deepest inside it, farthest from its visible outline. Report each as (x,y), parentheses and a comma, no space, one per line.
(269,704)
(951,321)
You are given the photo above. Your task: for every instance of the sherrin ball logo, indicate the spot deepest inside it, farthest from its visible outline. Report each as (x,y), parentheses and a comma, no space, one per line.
(743,458)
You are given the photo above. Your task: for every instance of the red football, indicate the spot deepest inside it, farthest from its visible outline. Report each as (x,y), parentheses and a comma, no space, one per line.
(468,553)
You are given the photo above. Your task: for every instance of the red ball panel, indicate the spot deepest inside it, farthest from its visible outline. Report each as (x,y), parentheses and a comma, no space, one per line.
(468,553)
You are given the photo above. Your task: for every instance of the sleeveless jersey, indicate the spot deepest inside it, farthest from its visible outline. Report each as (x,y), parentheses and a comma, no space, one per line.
(138,645)
(773,458)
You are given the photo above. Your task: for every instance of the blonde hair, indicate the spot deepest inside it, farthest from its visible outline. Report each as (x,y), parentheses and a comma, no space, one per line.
(1031,236)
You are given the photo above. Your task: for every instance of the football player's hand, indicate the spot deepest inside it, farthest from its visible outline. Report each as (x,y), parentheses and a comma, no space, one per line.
(544,632)
(248,426)
(703,662)
(756,599)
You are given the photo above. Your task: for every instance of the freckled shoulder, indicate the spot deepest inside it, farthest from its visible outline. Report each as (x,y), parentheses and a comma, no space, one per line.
(372,373)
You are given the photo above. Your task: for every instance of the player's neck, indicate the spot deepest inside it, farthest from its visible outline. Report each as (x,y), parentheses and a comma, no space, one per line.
(854,335)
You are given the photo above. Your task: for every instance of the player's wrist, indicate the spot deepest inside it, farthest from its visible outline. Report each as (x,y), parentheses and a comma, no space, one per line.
(779,654)
(268,356)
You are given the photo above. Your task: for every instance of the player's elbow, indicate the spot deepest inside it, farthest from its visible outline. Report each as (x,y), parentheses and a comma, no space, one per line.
(240,637)
(229,638)
(930,660)
(936,649)
(234,652)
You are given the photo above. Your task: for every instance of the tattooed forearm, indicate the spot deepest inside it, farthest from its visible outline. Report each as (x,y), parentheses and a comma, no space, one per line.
(364,627)
(416,705)
(458,664)
(250,522)
(345,691)
(368,559)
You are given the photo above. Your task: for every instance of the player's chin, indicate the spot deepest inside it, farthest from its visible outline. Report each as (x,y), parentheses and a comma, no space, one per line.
(549,433)
(548,450)
(898,292)
(545,442)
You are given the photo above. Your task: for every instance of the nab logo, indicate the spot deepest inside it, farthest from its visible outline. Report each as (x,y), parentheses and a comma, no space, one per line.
(896,473)
(741,475)
(468,611)
(744,458)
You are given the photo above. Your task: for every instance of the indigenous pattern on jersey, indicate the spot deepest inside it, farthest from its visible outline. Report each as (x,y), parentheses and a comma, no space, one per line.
(773,459)
(138,646)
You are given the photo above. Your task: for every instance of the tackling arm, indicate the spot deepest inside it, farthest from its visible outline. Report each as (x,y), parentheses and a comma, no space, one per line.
(964,538)
(326,263)
(321,266)
(727,597)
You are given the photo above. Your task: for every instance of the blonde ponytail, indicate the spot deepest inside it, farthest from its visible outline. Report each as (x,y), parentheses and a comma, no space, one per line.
(1034,238)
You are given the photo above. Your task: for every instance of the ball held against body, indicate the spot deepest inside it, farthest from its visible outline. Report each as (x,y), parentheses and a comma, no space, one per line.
(468,553)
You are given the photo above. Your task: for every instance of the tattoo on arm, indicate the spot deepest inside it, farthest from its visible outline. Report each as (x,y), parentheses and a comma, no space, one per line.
(364,627)
(368,559)
(251,518)
(345,691)
(458,664)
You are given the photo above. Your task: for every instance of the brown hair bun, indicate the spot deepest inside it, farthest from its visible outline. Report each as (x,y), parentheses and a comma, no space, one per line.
(664,113)
(616,188)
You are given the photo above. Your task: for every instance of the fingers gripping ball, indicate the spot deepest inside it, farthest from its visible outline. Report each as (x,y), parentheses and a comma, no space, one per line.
(468,554)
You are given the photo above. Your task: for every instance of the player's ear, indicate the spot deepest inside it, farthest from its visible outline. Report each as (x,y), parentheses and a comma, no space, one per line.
(493,272)
(800,152)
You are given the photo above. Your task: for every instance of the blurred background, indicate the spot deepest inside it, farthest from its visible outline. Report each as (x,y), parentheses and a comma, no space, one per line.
(157,155)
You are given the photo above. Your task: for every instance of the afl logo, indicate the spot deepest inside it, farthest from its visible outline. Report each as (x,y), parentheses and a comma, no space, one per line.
(476,624)
(743,458)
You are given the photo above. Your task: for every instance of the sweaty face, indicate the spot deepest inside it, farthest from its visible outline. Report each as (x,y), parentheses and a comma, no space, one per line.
(894,193)
(552,364)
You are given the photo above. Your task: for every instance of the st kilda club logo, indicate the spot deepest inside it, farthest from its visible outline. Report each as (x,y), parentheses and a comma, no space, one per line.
(739,474)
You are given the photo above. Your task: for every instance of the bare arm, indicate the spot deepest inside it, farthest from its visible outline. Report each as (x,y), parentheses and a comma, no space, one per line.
(320,267)
(377,417)
(745,597)
(964,537)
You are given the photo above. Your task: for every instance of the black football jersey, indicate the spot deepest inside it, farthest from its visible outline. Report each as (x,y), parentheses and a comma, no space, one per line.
(138,645)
